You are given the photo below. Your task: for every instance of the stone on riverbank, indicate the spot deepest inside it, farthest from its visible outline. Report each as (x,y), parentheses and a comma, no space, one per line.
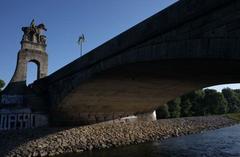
(53,141)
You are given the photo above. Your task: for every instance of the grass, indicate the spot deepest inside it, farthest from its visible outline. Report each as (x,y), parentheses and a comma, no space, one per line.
(234,116)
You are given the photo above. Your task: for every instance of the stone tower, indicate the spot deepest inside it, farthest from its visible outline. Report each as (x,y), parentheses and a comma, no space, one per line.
(20,105)
(33,49)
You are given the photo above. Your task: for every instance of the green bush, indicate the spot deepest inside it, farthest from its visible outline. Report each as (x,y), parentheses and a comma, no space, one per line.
(233,100)
(2,84)
(174,108)
(162,112)
(202,102)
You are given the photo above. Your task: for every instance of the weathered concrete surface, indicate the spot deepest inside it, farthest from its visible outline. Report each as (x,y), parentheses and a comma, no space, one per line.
(46,142)
(190,45)
(140,92)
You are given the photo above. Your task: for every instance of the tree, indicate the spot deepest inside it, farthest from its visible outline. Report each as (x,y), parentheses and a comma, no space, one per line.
(174,108)
(186,106)
(215,101)
(233,99)
(192,104)
(162,112)
(2,84)
(237,91)
(198,105)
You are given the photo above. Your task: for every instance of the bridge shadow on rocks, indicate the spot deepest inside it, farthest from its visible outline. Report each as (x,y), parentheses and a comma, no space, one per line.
(10,140)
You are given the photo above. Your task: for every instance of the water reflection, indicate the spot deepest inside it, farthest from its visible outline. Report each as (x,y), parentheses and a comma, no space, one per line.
(219,143)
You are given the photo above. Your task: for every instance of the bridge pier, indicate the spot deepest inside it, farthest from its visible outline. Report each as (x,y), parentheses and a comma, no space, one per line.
(150,116)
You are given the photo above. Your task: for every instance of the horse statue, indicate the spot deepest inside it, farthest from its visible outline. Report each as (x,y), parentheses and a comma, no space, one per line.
(34,33)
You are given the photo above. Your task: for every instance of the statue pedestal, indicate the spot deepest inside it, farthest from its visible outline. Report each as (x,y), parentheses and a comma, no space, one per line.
(33,46)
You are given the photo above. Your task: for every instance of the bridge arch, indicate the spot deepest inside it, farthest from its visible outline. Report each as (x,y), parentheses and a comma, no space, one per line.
(136,87)
(163,57)
(33,71)
(18,83)
(26,56)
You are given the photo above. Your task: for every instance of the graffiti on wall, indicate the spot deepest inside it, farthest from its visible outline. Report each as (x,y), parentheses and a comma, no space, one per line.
(10,121)
(12,99)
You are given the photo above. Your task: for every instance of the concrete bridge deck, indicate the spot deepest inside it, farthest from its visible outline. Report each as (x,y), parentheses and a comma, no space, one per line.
(189,45)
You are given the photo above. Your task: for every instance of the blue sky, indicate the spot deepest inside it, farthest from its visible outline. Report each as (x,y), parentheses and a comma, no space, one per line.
(99,20)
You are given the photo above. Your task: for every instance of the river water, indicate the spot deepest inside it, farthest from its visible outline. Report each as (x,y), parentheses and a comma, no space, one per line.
(223,142)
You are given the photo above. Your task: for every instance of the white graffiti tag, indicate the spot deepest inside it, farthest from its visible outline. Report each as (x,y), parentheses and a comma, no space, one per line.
(12,99)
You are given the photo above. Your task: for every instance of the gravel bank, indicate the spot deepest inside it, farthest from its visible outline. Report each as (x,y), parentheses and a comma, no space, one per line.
(54,141)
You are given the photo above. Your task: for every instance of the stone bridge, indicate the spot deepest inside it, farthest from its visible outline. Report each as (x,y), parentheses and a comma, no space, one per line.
(190,45)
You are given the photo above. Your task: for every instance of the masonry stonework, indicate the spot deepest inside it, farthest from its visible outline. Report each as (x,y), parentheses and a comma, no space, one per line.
(19,100)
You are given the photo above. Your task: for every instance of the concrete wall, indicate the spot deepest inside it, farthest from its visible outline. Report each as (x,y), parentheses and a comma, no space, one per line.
(21,119)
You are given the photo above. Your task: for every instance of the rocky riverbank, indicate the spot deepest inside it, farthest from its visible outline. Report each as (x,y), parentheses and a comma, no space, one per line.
(55,141)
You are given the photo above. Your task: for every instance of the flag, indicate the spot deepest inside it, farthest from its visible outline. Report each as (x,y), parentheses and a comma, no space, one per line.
(81,39)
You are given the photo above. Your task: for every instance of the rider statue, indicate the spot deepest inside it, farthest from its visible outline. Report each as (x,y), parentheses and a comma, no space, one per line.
(34,33)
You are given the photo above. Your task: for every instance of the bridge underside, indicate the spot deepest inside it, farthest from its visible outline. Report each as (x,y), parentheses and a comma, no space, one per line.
(190,45)
(141,87)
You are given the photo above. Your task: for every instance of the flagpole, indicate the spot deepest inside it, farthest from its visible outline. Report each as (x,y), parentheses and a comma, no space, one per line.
(80,48)
(81,39)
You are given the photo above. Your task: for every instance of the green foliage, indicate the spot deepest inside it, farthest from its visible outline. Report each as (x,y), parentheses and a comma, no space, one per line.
(174,108)
(233,99)
(215,101)
(162,112)
(186,106)
(234,116)
(2,84)
(202,102)
(192,104)
(237,91)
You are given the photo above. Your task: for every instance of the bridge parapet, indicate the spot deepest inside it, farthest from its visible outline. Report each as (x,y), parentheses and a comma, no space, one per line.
(165,22)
